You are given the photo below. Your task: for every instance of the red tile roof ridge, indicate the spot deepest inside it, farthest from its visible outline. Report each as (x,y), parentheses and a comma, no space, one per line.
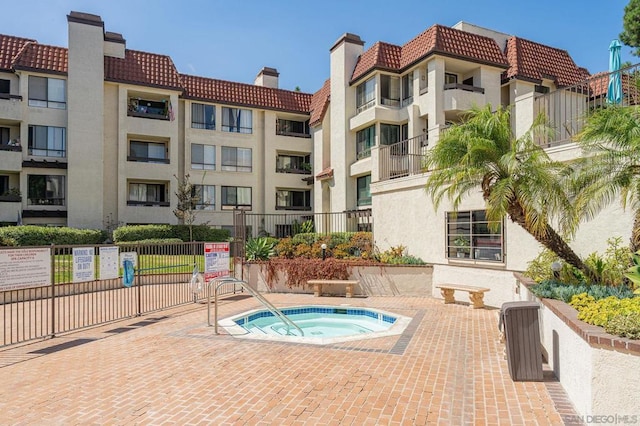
(8,51)
(243,94)
(28,58)
(243,84)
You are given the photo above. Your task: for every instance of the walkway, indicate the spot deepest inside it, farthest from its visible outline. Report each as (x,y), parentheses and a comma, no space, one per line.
(170,368)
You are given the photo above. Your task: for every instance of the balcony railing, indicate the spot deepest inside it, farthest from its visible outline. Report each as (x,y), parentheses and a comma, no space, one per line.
(157,110)
(148,203)
(568,108)
(465,87)
(14,147)
(8,96)
(403,158)
(293,170)
(366,106)
(365,153)
(390,102)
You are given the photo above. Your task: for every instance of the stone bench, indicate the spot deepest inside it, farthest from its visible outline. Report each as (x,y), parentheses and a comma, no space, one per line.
(317,285)
(476,294)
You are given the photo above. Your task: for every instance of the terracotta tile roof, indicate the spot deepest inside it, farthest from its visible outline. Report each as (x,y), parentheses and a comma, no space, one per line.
(43,58)
(143,68)
(533,61)
(437,39)
(10,46)
(320,103)
(325,174)
(380,56)
(228,92)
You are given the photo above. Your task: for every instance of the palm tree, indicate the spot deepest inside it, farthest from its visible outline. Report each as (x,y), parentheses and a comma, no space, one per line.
(610,169)
(516,177)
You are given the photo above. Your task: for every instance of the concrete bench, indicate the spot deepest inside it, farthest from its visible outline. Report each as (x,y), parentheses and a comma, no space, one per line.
(476,294)
(317,285)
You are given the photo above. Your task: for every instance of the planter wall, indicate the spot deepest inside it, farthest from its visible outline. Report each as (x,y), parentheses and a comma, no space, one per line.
(387,280)
(599,372)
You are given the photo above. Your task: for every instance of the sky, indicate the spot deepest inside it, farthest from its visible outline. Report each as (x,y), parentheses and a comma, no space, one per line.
(234,39)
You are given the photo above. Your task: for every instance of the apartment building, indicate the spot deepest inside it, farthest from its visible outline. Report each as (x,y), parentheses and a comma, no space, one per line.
(384,106)
(96,134)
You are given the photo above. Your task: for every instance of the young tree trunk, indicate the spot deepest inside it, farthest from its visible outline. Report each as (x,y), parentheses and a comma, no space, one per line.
(635,233)
(551,240)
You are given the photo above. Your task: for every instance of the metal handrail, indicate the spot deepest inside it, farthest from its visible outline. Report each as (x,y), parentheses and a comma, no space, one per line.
(226,280)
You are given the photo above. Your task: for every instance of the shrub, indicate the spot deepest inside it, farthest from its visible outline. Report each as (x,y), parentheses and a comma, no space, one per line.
(299,270)
(602,311)
(625,325)
(147,232)
(259,248)
(150,241)
(553,289)
(30,235)
(285,248)
(397,256)
(305,238)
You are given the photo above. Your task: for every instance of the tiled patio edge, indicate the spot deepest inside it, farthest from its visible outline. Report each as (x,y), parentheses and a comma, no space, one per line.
(595,336)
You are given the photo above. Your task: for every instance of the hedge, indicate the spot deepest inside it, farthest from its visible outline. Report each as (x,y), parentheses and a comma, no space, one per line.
(30,235)
(152,232)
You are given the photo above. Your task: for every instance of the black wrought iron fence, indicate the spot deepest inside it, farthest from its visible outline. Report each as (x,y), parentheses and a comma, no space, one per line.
(50,290)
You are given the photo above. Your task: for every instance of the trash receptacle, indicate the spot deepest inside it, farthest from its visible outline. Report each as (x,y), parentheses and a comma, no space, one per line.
(522,340)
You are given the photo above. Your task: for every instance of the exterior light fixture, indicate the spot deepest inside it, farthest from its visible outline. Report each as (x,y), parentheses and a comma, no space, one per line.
(324,251)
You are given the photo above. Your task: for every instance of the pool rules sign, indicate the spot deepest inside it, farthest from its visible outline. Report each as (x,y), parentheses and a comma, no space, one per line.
(216,260)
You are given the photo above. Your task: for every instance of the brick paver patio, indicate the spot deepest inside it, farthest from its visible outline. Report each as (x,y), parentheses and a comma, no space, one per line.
(170,368)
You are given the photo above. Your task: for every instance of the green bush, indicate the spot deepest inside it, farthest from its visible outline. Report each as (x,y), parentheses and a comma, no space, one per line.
(150,241)
(552,289)
(604,310)
(260,248)
(625,325)
(305,238)
(30,235)
(150,232)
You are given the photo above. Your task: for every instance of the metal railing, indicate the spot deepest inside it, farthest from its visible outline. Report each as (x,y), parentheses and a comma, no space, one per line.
(161,281)
(403,158)
(270,307)
(568,108)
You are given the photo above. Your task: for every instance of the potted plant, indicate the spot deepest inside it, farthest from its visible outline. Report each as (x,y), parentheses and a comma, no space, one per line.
(463,244)
(11,195)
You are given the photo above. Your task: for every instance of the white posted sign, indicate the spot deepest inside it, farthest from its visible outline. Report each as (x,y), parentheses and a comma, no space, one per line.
(25,268)
(109,262)
(83,264)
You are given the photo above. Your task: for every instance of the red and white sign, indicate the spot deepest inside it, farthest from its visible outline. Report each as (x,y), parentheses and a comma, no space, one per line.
(216,260)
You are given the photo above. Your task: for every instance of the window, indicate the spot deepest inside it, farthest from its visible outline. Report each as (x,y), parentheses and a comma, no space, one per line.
(290,163)
(203,157)
(389,90)
(450,78)
(47,92)
(45,190)
(365,140)
(364,191)
(236,197)
(203,116)
(5,134)
(366,95)
(293,200)
(4,185)
(141,194)
(206,195)
(389,134)
(47,141)
(471,236)
(541,89)
(292,128)
(5,86)
(236,159)
(236,120)
(148,152)
(407,89)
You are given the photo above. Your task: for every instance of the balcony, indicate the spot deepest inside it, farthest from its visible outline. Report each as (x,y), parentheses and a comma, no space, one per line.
(10,158)
(383,112)
(10,107)
(568,108)
(298,171)
(461,97)
(403,158)
(146,108)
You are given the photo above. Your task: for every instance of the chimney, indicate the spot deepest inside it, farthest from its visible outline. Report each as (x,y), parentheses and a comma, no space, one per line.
(114,45)
(267,77)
